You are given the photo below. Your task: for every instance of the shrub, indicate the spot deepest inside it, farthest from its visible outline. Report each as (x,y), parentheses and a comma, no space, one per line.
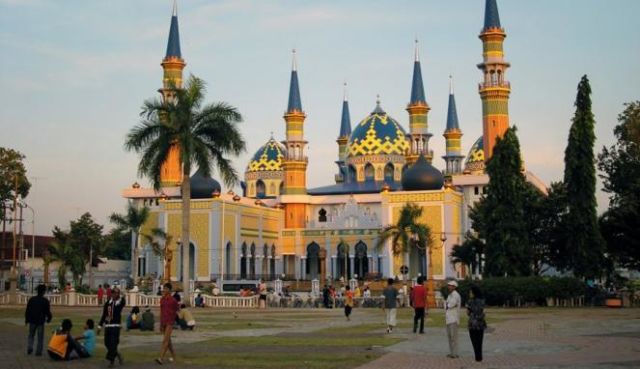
(514,291)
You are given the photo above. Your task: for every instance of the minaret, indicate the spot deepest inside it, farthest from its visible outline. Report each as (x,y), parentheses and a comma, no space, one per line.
(172,65)
(418,119)
(343,138)
(453,137)
(494,89)
(295,162)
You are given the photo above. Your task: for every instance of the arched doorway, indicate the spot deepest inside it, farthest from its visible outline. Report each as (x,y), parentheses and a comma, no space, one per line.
(252,262)
(227,261)
(265,262)
(243,261)
(313,260)
(361,261)
(342,261)
(261,189)
(272,269)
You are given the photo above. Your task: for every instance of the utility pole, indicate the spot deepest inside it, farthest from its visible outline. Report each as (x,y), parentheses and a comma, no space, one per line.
(15,224)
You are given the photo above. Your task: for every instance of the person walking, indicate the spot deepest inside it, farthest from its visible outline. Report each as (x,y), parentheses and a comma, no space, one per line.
(390,304)
(348,302)
(477,322)
(110,320)
(38,311)
(452,318)
(419,300)
(168,310)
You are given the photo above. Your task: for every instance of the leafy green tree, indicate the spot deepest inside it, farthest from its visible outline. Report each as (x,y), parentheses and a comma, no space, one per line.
(117,244)
(552,233)
(11,169)
(584,250)
(500,217)
(62,251)
(131,222)
(205,135)
(620,165)
(74,248)
(407,232)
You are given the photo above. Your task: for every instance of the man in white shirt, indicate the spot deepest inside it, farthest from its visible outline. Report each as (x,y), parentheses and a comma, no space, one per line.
(452,318)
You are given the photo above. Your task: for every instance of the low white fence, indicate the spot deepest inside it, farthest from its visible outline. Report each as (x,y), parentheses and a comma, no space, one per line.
(234,302)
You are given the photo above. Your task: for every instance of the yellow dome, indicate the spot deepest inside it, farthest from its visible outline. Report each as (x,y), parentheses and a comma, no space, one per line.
(267,158)
(378,134)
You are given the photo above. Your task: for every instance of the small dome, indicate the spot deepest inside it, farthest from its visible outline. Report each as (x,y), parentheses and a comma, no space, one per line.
(475,159)
(268,157)
(378,134)
(422,176)
(203,187)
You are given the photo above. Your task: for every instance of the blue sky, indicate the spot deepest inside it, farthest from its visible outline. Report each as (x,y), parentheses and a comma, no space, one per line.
(74,74)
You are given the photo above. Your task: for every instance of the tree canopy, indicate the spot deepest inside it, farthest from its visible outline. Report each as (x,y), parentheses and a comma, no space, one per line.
(12,168)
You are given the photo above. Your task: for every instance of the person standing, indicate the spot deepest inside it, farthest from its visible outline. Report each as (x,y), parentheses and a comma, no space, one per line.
(100,294)
(452,318)
(419,299)
(477,322)
(348,302)
(38,311)
(168,310)
(262,290)
(110,320)
(390,304)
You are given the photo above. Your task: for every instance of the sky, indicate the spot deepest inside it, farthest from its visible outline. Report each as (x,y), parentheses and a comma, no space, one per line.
(75,73)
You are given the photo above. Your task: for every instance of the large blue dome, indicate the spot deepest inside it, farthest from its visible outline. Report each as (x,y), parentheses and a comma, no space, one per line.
(378,134)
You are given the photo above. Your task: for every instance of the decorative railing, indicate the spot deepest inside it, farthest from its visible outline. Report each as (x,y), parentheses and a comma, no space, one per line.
(138,299)
(86,300)
(233,302)
(4,298)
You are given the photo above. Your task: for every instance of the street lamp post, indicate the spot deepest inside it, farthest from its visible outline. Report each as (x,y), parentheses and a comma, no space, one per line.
(431,295)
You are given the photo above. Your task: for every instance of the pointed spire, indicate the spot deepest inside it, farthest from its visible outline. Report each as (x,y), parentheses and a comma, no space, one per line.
(345,123)
(491,16)
(173,45)
(452,114)
(417,89)
(378,109)
(417,51)
(294,90)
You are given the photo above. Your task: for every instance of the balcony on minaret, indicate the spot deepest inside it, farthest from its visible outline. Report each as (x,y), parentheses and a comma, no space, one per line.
(493,84)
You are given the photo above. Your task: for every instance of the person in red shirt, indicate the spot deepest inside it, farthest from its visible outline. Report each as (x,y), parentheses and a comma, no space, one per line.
(168,309)
(419,298)
(100,294)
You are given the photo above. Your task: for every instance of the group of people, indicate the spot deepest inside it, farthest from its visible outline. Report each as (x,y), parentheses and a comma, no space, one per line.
(475,311)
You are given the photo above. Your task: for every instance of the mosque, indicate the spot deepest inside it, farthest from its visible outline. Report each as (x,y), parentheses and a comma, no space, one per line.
(279,227)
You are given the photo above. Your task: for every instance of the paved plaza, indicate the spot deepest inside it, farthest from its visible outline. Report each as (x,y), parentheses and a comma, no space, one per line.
(320,338)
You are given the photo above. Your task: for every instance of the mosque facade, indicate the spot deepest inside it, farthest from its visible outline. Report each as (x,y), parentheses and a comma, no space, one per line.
(279,226)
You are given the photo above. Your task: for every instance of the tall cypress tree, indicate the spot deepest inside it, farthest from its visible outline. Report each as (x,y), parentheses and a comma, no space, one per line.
(585,246)
(504,225)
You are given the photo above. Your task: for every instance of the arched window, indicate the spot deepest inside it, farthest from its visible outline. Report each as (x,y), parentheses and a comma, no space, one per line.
(260,189)
(322,215)
(388,173)
(369,173)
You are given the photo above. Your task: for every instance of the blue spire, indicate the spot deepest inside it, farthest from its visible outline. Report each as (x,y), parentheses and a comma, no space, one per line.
(452,114)
(417,89)
(173,45)
(345,124)
(491,16)
(294,91)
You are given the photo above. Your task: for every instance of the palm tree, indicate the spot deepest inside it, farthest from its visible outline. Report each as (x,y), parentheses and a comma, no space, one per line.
(132,221)
(407,232)
(68,259)
(159,240)
(205,135)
